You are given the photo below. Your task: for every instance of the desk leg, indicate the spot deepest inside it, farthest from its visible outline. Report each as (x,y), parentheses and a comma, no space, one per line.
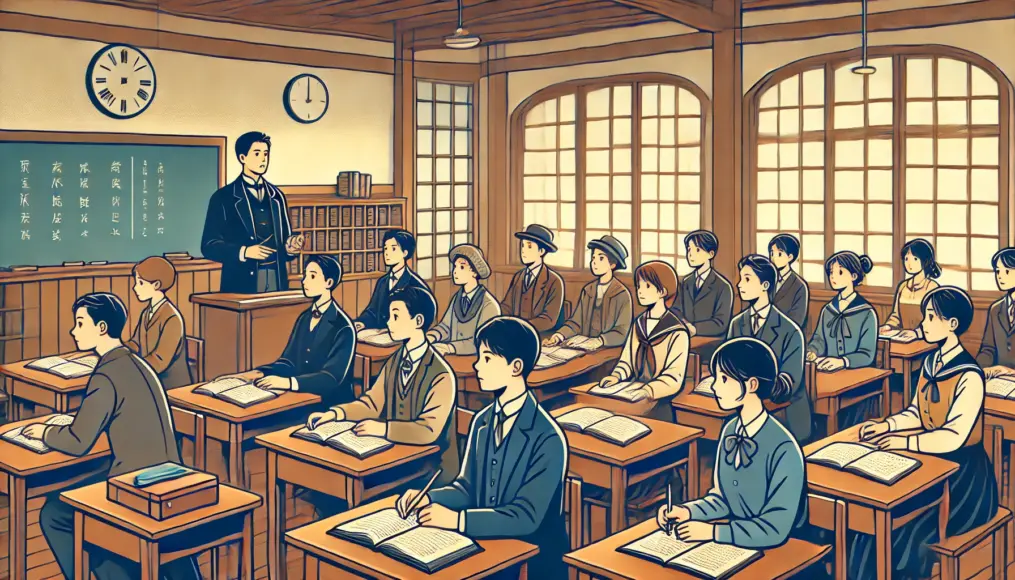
(1010,500)
(311,567)
(886,398)
(367,366)
(236,476)
(149,560)
(353,491)
(692,490)
(276,520)
(944,508)
(62,404)
(833,417)
(883,542)
(17,537)
(907,382)
(81,568)
(247,549)
(523,571)
(618,499)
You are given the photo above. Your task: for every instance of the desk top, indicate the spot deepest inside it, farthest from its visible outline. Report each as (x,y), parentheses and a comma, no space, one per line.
(702,341)
(854,488)
(20,371)
(998,407)
(281,442)
(244,302)
(692,402)
(313,538)
(664,436)
(186,398)
(92,500)
(909,350)
(462,366)
(375,352)
(16,460)
(837,382)
(603,559)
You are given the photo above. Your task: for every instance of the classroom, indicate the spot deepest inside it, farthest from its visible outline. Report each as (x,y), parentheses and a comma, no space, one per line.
(552,289)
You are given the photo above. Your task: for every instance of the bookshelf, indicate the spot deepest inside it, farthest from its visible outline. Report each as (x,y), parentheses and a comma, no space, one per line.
(352,229)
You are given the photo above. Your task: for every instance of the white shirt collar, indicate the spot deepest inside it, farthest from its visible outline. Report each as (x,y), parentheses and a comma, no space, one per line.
(512,407)
(470,295)
(763,313)
(416,354)
(324,308)
(156,305)
(534,268)
(251,182)
(945,357)
(751,429)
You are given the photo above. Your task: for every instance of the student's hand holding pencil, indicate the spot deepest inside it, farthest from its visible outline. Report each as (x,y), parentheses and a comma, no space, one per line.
(667,518)
(405,502)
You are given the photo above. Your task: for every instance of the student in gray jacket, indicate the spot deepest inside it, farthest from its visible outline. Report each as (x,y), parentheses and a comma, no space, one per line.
(706,296)
(470,307)
(791,293)
(124,400)
(996,354)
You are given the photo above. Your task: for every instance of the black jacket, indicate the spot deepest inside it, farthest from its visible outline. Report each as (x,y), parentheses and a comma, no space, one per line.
(375,315)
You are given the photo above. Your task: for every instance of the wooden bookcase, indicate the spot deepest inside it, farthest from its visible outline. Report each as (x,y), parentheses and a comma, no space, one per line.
(352,229)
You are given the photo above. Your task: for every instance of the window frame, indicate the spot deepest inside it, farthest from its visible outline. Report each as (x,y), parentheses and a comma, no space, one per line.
(580,88)
(898,132)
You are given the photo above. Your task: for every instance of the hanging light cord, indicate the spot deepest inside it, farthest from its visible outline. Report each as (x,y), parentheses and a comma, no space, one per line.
(460,24)
(863,28)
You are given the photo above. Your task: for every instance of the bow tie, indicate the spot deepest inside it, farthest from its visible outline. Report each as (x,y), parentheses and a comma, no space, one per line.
(838,327)
(316,312)
(742,445)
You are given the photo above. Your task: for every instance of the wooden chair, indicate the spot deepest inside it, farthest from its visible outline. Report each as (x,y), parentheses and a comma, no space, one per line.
(574,507)
(463,420)
(195,358)
(192,425)
(883,355)
(830,514)
(951,549)
(694,372)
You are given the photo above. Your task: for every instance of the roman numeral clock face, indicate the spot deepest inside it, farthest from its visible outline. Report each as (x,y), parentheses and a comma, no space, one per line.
(120,81)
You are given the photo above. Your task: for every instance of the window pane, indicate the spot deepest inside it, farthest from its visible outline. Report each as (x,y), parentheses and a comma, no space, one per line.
(952,78)
(919,78)
(597,103)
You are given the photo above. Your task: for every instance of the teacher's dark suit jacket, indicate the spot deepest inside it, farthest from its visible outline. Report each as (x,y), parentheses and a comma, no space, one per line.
(998,337)
(708,309)
(787,342)
(375,315)
(229,226)
(319,360)
(527,504)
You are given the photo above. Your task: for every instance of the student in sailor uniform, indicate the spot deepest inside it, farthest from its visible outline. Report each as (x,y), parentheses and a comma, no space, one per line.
(791,294)
(759,476)
(947,412)
(764,321)
(706,297)
(997,349)
(399,246)
(846,335)
(922,269)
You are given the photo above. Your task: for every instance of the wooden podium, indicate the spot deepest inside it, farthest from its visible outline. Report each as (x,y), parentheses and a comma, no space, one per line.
(242,331)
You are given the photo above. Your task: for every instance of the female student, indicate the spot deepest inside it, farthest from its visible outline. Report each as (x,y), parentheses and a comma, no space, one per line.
(766,322)
(921,269)
(947,417)
(791,293)
(159,335)
(997,349)
(759,476)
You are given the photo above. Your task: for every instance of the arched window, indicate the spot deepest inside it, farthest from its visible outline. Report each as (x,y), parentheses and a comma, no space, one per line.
(867,163)
(620,156)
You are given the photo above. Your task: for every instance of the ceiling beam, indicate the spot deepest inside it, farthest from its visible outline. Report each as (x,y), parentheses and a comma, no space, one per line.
(682,11)
(432,37)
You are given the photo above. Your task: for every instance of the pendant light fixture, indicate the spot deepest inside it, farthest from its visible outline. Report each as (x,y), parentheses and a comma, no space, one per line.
(461,39)
(864,68)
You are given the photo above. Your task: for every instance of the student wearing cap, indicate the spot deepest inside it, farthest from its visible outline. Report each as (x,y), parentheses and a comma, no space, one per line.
(604,307)
(399,247)
(706,296)
(536,292)
(470,307)
(159,335)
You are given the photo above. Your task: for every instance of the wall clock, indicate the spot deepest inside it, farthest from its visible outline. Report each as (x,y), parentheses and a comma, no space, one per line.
(120,81)
(305,98)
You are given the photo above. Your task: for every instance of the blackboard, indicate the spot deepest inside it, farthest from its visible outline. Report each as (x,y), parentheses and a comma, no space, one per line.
(114,197)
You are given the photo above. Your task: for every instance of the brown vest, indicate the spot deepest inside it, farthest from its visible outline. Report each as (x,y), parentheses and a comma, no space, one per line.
(934,413)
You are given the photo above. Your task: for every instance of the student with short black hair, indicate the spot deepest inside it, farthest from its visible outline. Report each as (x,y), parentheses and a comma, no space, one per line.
(921,270)
(398,248)
(706,296)
(997,349)
(512,477)
(791,292)
(755,449)
(945,419)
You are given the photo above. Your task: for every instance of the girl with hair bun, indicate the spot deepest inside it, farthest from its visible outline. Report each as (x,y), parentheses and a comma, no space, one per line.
(921,270)
(759,476)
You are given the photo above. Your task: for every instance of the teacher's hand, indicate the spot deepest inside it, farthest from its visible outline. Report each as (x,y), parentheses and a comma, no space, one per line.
(257,252)
(294,244)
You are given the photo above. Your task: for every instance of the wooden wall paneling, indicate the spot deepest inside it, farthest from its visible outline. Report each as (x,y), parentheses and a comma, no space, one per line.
(183,289)
(405,125)
(121,287)
(12,304)
(364,290)
(498,180)
(31,319)
(66,295)
(102,284)
(202,282)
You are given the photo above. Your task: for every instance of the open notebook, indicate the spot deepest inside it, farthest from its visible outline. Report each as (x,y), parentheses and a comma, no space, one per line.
(703,559)
(705,387)
(376,337)
(36,445)
(580,342)
(236,391)
(339,435)
(864,460)
(65,368)
(428,549)
(624,390)
(551,356)
(602,424)
(1001,387)
(895,335)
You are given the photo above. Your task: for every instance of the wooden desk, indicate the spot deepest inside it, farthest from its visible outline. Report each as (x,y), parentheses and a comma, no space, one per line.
(139,538)
(25,385)
(903,356)
(300,463)
(244,331)
(368,362)
(549,385)
(27,475)
(602,560)
(834,391)
(876,509)
(232,425)
(1001,412)
(614,467)
(325,556)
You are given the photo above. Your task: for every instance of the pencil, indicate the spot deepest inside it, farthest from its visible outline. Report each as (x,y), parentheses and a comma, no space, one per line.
(419,496)
(669,505)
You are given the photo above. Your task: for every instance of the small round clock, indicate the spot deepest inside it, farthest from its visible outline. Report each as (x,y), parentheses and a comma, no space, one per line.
(120,81)
(305,98)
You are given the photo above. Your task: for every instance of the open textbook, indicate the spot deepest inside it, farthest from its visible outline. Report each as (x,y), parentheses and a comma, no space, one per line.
(551,356)
(65,368)
(896,335)
(36,445)
(602,424)
(376,337)
(705,387)
(703,559)
(1002,387)
(624,390)
(864,460)
(581,343)
(236,391)
(339,435)
(428,549)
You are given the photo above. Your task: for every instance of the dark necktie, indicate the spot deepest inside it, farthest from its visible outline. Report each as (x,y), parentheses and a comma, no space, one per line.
(501,420)
(465,303)
(529,278)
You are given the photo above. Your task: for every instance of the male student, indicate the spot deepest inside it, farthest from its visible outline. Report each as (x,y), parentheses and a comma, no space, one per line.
(536,292)
(471,306)
(322,344)
(125,401)
(512,477)
(159,337)
(247,225)
(399,247)
(706,297)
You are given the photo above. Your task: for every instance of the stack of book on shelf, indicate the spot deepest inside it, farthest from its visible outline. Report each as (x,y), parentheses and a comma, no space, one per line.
(65,368)
(701,559)
(354,184)
(427,549)
(602,424)
(376,337)
(236,391)
(624,390)
(338,435)
(551,356)
(36,445)
(866,461)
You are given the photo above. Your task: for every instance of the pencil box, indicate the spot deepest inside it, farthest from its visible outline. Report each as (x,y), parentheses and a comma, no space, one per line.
(165,497)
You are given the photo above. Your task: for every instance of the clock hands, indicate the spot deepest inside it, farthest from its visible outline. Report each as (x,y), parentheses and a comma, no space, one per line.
(308,89)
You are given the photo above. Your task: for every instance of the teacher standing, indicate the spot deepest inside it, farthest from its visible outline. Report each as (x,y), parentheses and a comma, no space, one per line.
(247,226)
